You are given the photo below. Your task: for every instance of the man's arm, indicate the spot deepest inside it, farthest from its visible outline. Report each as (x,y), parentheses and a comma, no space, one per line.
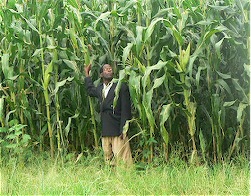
(91,89)
(125,105)
(87,70)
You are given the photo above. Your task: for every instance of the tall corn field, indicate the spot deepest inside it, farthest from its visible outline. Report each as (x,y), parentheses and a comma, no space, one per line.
(187,65)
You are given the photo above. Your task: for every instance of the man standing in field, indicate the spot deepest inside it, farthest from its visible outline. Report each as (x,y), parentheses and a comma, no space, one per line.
(115,143)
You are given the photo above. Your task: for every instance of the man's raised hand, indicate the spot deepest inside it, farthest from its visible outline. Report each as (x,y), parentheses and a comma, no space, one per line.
(87,70)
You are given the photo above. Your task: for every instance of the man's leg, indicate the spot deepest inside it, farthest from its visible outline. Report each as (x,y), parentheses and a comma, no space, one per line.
(107,148)
(121,150)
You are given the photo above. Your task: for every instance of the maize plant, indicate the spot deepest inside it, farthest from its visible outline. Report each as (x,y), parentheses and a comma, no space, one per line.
(186,63)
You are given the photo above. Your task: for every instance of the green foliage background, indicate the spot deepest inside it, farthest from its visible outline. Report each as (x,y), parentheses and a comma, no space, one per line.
(186,62)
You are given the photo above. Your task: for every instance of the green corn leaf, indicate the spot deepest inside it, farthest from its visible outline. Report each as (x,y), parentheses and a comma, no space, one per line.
(19,8)
(47,75)
(147,102)
(218,8)
(205,22)
(103,42)
(224,85)
(117,89)
(127,7)
(126,126)
(179,68)
(50,43)
(13,11)
(197,77)
(30,24)
(76,15)
(129,32)
(87,58)
(150,29)
(51,16)
(6,68)
(224,76)
(7,118)
(157,66)
(17,133)
(61,83)
(73,3)
(126,52)
(73,37)
(191,118)
(12,122)
(4,130)
(147,98)
(229,103)
(183,20)
(101,17)
(162,13)
(202,144)
(158,82)
(135,92)
(2,109)
(172,54)
(222,28)
(67,128)
(239,88)
(16,128)
(209,34)
(164,116)
(115,13)
(184,58)
(25,139)
(37,52)
(139,33)
(134,82)
(72,65)
(42,10)
(218,47)
(11,146)
(178,36)
(241,5)
(191,63)
(240,110)
(247,69)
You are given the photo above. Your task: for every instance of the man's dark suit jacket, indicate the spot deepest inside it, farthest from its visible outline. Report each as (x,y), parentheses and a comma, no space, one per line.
(112,120)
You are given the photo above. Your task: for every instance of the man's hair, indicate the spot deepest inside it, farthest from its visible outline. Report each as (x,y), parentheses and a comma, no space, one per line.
(101,69)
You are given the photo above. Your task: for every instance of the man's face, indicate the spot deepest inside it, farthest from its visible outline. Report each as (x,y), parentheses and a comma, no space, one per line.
(107,73)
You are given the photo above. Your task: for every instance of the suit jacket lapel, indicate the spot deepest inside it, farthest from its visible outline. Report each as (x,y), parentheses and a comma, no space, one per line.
(110,94)
(100,89)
